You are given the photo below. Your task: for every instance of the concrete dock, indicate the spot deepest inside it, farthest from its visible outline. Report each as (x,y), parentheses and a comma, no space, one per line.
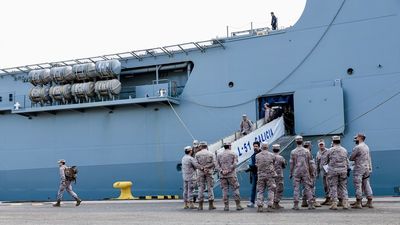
(170,212)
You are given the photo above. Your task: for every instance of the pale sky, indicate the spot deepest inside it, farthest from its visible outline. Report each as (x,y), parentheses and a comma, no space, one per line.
(38,31)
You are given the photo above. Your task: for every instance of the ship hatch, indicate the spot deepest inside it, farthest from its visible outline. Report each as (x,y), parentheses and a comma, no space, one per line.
(319,111)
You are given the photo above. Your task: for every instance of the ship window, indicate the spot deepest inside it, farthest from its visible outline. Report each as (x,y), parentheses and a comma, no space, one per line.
(1,99)
(350,71)
(10,97)
(231,84)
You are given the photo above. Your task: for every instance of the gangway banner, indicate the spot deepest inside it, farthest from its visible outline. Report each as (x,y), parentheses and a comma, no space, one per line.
(270,132)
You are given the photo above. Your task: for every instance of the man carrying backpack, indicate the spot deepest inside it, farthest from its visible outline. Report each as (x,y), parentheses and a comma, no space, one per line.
(67,175)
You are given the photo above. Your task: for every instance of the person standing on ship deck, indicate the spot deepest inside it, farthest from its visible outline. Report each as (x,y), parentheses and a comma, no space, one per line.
(274,21)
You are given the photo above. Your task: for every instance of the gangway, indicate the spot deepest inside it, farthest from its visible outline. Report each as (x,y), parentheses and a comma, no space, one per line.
(272,132)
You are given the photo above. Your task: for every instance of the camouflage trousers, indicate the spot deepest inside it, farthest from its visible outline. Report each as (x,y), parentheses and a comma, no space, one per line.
(262,184)
(312,188)
(325,182)
(202,180)
(232,182)
(361,184)
(188,187)
(338,186)
(279,189)
(66,185)
(306,182)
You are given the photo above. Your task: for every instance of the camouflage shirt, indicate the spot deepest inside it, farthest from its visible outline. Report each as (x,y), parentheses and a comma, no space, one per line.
(189,166)
(361,158)
(265,162)
(280,164)
(301,162)
(321,157)
(337,160)
(226,161)
(206,160)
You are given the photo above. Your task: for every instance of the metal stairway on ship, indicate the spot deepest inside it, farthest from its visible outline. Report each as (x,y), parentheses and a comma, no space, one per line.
(277,138)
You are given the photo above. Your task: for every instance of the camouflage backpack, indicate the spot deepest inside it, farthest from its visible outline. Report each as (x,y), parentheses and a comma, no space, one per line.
(71,173)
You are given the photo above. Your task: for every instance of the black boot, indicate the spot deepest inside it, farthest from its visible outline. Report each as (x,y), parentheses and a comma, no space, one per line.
(57,204)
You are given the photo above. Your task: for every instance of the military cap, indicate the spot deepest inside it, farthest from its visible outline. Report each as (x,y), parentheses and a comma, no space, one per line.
(188,148)
(227,143)
(336,138)
(264,144)
(276,146)
(61,161)
(307,143)
(195,143)
(299,138)
(244,115)
(360,135)
(321,141)
(203,143)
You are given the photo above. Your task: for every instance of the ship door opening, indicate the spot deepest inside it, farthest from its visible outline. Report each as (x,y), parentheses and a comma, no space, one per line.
(282,105)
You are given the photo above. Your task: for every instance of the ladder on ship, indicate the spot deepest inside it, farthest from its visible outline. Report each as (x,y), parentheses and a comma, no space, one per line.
(259,132)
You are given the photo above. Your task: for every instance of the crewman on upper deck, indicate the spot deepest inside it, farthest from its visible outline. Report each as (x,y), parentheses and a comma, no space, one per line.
(274,21)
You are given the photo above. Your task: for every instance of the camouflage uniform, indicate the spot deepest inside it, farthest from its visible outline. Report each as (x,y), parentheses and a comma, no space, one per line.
(266,174)
(65,184)
(189,166)
(245,126)
(301,170)
(205,160)
(337,174)
(226,164)
(362,168)
(280,164)
(321,157)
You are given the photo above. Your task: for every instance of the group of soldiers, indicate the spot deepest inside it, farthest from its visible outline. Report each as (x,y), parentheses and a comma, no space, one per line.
(199,164)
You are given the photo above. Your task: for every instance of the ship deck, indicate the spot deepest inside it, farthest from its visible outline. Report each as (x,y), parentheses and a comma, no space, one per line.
(386,211)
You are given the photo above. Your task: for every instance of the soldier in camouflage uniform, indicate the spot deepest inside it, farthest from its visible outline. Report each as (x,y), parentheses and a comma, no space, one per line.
(301,170)
(266,174)
(226,164)
(207,161)
(65,184)
(362,169)
(321,157)
(338,166)
(307,145)
(279,165)
(189,166)
(246,125)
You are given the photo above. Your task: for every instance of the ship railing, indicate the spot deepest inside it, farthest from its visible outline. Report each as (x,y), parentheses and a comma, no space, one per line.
(170,51)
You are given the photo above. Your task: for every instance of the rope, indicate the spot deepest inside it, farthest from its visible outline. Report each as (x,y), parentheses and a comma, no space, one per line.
(180,120)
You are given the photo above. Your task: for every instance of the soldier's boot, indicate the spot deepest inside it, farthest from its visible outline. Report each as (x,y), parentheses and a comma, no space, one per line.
(327,200)
(191,205)
(345,204)
(333,206)
(369,203)
(269,208)
(211,205)
(238,206)
(260,208)
(295,206)
(277,206)
(78,201)
(358,204)
(317,204)
(226,207)
(340,203)
(186,205)
(200,205)
(304,203)
(311,205)
(57,204)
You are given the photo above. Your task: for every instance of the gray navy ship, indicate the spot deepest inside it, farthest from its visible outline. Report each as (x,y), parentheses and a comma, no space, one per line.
(127,116)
